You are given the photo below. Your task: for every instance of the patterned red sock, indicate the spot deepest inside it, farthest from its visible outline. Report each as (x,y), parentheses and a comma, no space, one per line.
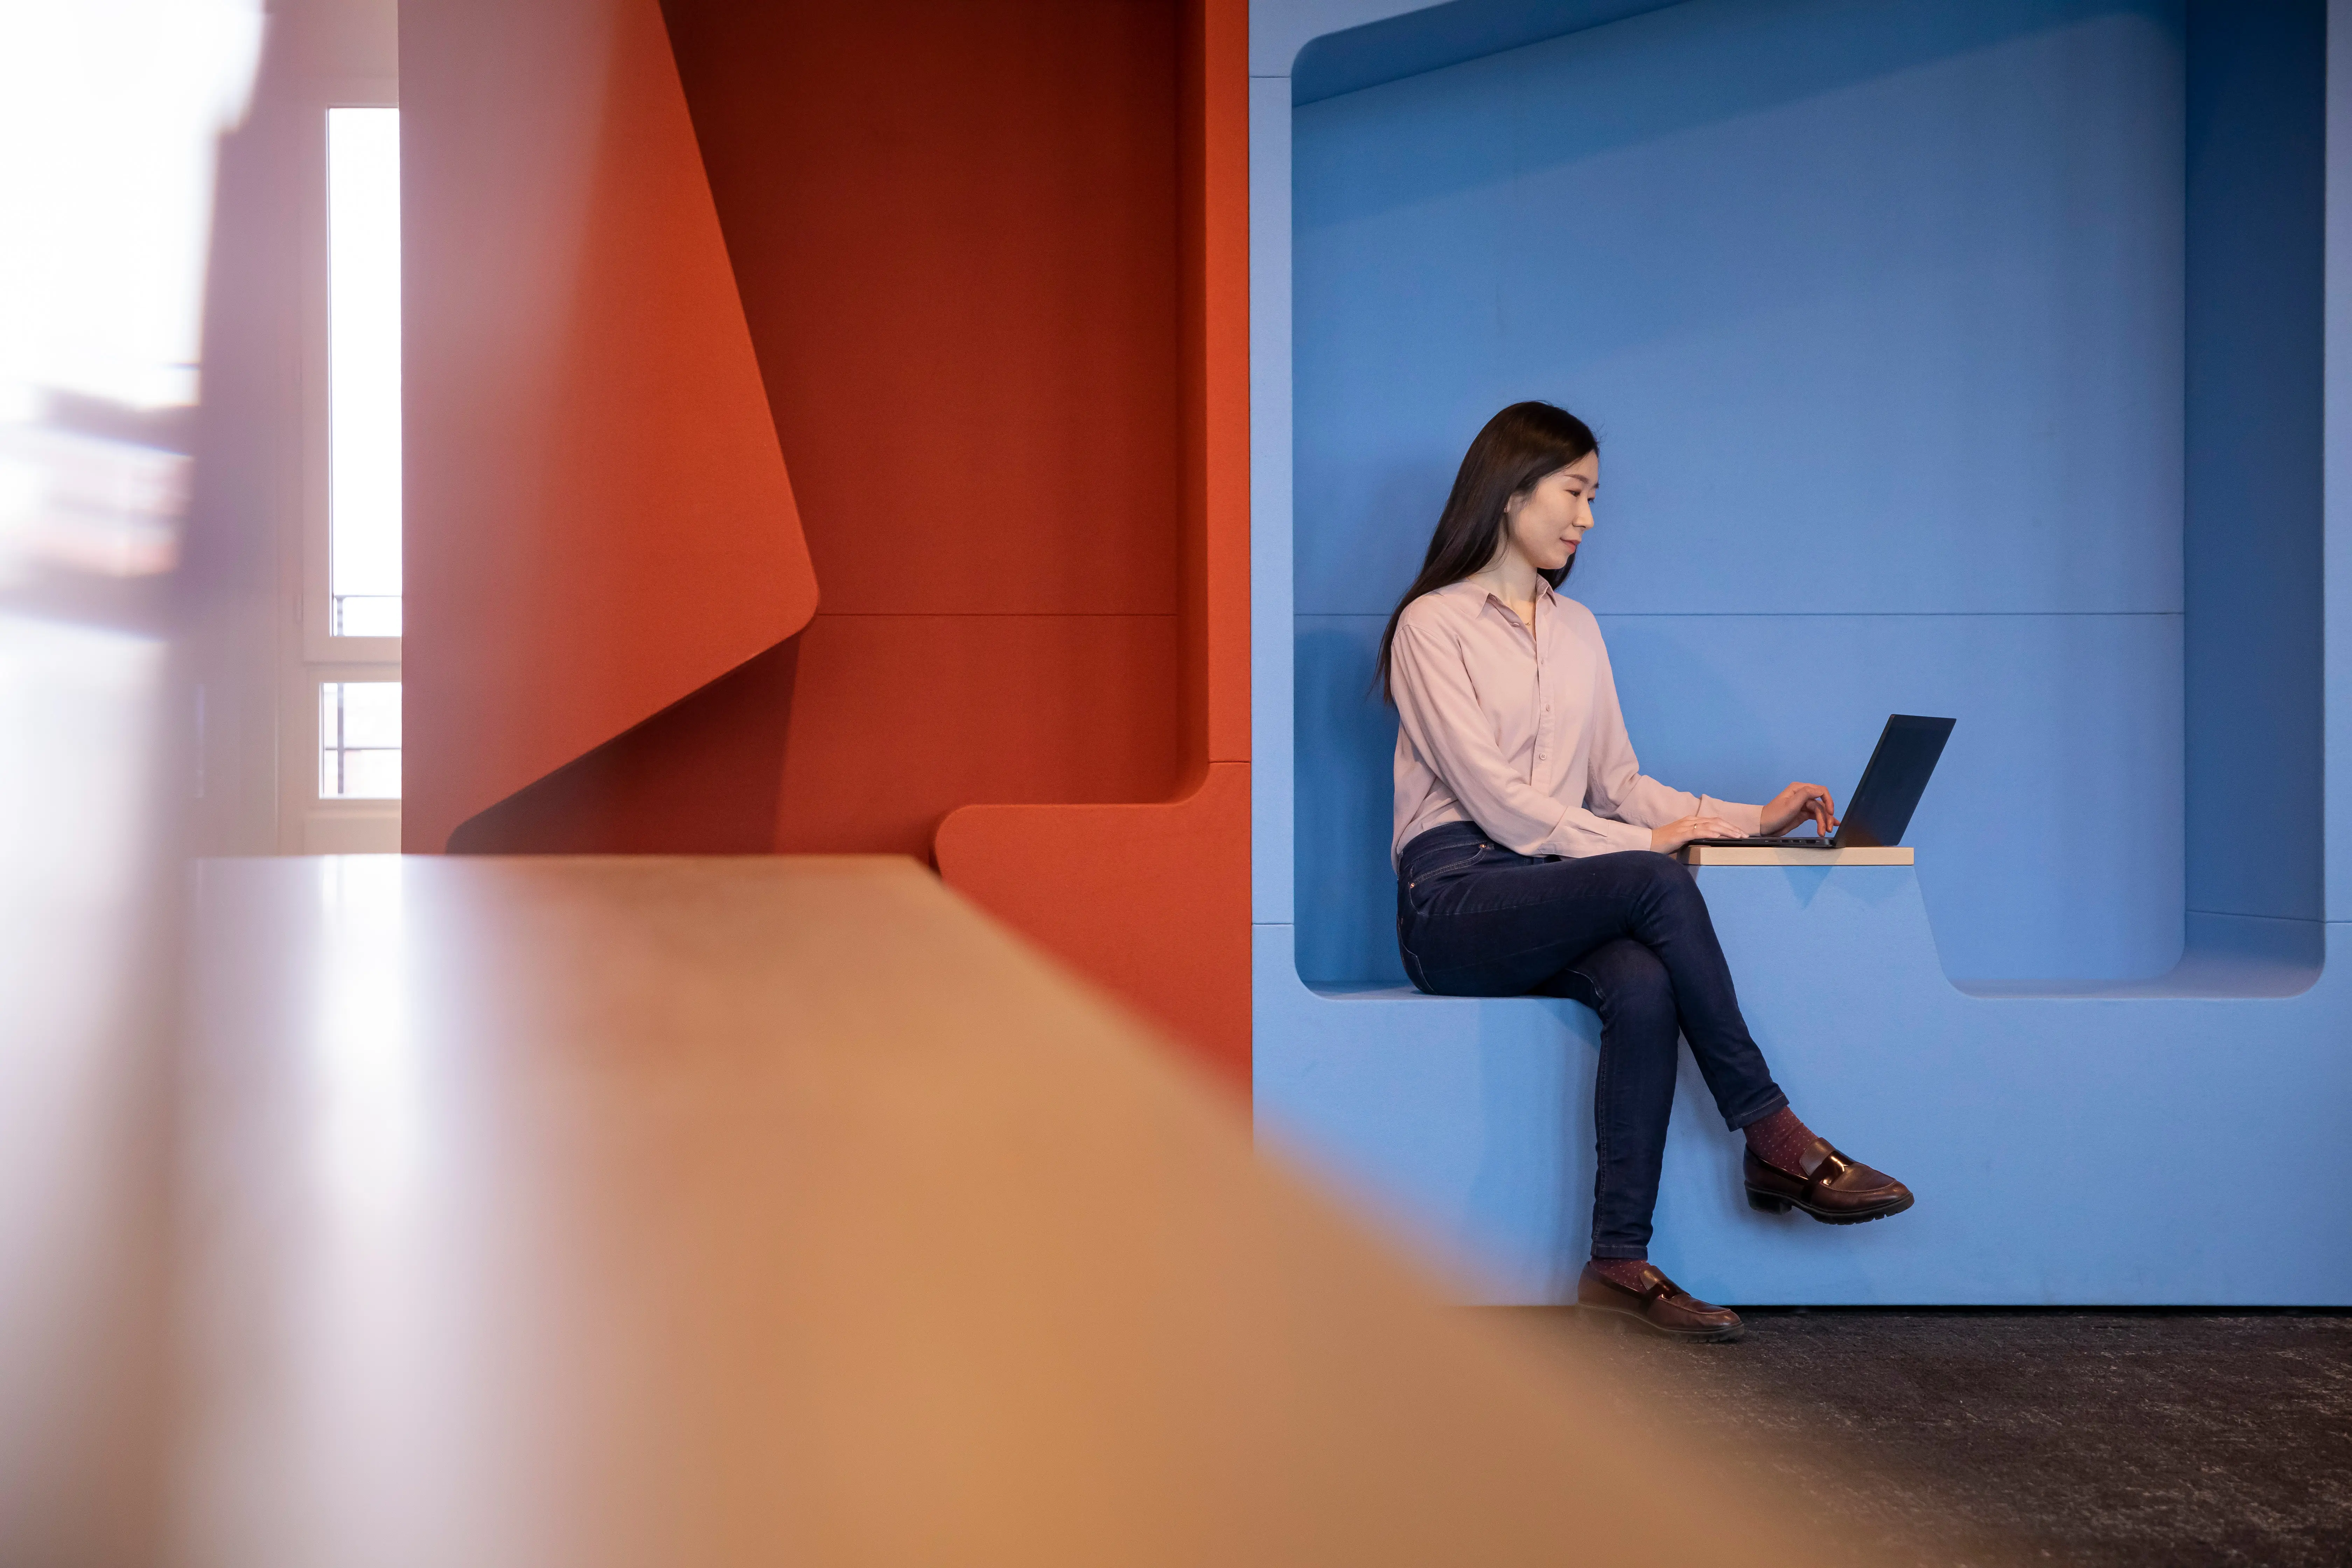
(1624,1273)
(1780,1140)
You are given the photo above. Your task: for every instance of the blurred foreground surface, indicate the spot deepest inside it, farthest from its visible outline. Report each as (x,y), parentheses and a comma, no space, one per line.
(650,1210)
(86,988)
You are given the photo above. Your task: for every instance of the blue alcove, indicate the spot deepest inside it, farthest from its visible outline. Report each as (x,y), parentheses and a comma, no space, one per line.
(1929,343)
(1957,357)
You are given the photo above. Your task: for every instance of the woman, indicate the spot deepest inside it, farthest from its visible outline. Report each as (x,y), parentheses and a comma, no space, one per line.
(1534,857)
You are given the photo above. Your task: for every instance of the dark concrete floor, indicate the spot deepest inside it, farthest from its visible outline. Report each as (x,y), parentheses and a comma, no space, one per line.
(2141,1439)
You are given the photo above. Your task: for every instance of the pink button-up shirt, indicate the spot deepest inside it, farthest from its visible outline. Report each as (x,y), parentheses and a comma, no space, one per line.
(1520,733)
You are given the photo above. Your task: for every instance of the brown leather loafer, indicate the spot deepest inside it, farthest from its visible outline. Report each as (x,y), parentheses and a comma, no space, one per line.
(1833,1189)
(1660,1306)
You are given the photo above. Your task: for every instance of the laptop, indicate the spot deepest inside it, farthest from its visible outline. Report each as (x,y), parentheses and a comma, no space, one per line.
(1886,797)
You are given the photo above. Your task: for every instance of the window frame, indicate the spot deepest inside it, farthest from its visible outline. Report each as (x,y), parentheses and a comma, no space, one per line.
(320,686)
(309,823)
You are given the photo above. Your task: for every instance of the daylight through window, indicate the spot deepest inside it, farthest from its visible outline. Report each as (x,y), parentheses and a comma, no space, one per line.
(359,740)
(364,371)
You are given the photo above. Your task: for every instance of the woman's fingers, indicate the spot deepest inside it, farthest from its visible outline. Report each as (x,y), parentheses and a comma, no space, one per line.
(1802,802)
(1682,829)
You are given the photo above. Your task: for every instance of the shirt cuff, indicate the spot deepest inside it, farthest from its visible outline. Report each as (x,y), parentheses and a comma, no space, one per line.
(1625,836)
(1746,818)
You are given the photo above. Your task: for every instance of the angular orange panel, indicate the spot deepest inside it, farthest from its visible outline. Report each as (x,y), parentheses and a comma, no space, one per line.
(599,517)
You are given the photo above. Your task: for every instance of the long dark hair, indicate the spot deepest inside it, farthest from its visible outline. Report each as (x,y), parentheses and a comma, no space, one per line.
(1518,446)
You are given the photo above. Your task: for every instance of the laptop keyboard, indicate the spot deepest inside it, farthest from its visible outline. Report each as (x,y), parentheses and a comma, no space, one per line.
(1787,842)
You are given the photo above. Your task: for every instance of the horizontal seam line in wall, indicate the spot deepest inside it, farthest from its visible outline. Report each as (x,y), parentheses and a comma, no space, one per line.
(1000,614)
(2243,915)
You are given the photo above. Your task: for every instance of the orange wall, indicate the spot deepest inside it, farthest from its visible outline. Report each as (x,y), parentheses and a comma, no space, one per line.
(990,260)
(955,232)
(1153,899)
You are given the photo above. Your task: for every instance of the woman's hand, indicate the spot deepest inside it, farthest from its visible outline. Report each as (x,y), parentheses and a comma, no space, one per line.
(1682,829)
(1798,803)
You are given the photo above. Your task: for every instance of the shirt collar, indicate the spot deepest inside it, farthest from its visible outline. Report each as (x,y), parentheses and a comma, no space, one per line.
(1488,596)
(1544,590)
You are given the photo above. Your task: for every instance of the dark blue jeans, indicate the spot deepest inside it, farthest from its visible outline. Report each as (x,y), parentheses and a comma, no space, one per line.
(1627,935)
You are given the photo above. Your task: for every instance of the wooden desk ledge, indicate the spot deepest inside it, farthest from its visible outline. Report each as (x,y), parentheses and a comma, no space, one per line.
(1764,855)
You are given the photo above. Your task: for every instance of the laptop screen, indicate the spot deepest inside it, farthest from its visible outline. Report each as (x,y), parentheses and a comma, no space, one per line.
(1894,780)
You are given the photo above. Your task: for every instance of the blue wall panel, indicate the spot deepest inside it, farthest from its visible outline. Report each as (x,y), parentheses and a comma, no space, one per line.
(1271,749)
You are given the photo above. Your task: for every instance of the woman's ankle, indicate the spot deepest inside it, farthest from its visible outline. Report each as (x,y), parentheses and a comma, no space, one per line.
(1780,1140)
(1623,1272)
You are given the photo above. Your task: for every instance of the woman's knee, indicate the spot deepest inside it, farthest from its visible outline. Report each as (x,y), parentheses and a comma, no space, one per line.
(1629,978)
(1667,870)
(1669,881)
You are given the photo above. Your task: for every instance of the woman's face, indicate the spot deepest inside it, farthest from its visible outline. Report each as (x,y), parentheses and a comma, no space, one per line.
(1544,522)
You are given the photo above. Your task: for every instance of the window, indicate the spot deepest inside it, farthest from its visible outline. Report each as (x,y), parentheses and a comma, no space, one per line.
(359,740)
(364,585)
(344,792)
